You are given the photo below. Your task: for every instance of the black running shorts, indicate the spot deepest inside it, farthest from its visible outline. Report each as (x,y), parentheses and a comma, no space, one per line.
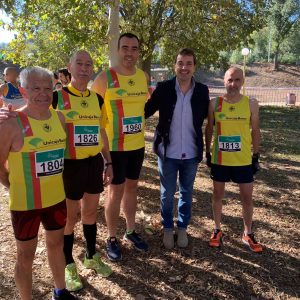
(127,164)
(237,174)
(83,176)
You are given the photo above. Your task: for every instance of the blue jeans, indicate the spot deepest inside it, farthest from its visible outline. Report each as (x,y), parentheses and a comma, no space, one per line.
(168,170)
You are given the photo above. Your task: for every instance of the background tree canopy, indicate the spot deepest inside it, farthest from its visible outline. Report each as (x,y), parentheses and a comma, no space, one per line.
(49,31)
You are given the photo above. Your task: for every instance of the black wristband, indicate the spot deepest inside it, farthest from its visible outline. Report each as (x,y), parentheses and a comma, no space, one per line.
(108,164)
(256,155)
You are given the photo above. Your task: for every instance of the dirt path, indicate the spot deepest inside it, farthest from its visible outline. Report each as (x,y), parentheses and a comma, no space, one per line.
(197,272)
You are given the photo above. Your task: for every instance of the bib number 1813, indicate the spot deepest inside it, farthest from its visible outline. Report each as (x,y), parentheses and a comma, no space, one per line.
(229,143)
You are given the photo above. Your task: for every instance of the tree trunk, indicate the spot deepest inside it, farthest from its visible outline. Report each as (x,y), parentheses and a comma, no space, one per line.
(113,32)
(276,62)
(146,65)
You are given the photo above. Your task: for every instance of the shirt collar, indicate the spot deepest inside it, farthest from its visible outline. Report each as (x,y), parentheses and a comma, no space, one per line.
(77,92)
(177,86)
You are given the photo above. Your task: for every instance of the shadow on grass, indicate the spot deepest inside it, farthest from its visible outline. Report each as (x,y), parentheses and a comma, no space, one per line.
(280,131)
(275,271)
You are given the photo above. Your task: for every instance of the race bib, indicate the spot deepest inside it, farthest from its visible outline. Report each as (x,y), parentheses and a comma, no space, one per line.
(85,136)
(132,125)
(230,143)
(48,163)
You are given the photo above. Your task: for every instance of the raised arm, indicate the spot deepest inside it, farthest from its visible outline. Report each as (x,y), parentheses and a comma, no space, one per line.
(7,113)
(152,105)
(7,136)
(99,85)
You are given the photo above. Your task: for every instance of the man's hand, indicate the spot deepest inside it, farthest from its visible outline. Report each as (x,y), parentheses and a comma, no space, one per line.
(107,175)
(208,159)
(6,113)
(255,163)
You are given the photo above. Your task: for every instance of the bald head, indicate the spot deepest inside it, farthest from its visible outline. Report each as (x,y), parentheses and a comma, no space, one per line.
(10,74)
(234,70)
(233,81)
(10,70)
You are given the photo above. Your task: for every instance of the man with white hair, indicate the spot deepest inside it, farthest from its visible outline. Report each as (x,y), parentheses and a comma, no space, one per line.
(34,144)
(85,173)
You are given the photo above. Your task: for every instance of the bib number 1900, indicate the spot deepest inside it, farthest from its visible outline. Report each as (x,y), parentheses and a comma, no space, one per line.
(48,163)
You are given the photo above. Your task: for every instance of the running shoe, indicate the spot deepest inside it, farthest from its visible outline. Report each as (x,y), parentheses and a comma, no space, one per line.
(64,295)
(216,238)
(251,242)
(168,239)
(73,281)
(98,265)
(136,241)
(113,249)
(182,238)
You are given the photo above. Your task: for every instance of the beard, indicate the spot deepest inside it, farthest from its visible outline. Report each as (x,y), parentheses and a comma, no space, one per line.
(233,91)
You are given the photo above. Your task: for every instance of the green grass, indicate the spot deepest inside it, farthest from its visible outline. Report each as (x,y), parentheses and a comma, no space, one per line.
(280,127)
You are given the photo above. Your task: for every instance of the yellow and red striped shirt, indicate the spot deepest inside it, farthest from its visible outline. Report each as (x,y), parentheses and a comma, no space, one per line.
(83,116)
(35,172)
(232,135)
(125,100)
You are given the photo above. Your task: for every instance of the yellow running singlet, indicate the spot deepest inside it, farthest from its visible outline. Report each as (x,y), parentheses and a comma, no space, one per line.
(232,135)
(125,100)
(83,117)
(35,172)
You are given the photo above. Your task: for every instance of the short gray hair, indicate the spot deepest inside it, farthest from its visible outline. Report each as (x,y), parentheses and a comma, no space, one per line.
(81,51)
(41,72)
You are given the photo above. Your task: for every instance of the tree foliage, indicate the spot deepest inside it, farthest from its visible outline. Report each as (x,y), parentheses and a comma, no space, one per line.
(284,17)
(50,30)
(205,26)
(7,5)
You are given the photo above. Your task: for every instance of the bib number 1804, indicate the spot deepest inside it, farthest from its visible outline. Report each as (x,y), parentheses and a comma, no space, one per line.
(49,163)
(52,165)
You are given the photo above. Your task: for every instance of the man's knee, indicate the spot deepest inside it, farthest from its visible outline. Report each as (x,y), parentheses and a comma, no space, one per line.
(89,214)
(25,258)
(72,219)
(55,239)
(116,192)
(218,195)
(131,185)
